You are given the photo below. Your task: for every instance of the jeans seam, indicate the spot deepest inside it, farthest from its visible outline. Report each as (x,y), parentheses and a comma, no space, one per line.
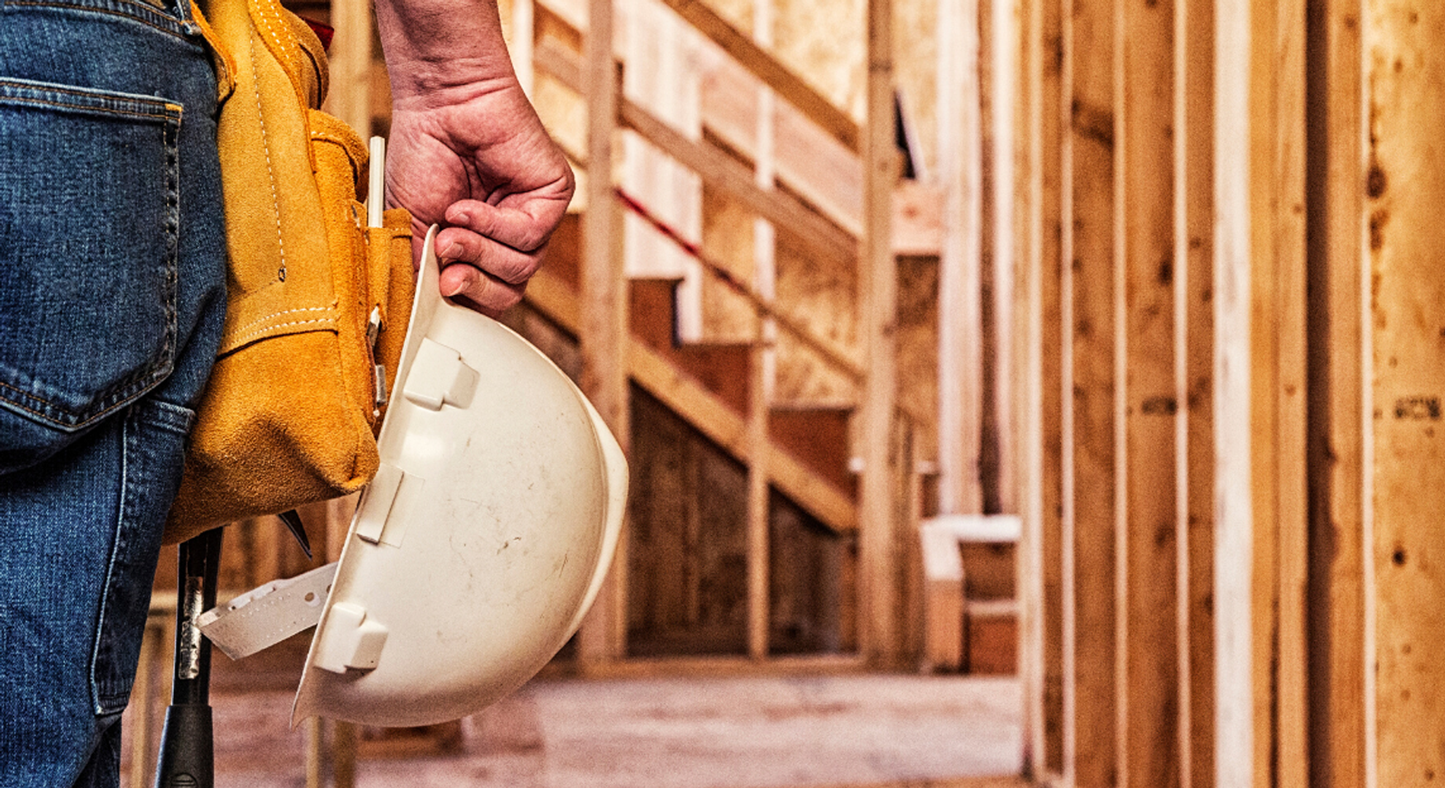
(101,101)
(184,29)
(115,545)
(100,110)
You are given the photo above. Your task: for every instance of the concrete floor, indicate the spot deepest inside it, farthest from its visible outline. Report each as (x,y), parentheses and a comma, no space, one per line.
(854,730)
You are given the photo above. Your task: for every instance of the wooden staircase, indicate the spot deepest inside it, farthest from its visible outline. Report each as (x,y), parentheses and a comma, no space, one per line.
(770,329)
(710,332)
(706,385)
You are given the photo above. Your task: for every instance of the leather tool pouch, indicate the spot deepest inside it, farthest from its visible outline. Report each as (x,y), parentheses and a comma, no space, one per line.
(318,302)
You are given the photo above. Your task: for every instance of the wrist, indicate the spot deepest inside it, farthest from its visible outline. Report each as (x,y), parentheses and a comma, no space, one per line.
(434,48)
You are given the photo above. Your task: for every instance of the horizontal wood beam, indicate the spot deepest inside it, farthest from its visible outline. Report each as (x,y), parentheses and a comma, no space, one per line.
(768,69)
(718,168)
(827,177)
(714,165)
(703,410)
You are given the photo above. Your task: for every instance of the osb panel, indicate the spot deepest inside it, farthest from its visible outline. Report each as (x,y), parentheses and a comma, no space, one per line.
(727,239)
(738,12)
(915,73)
(564,113)
(806,582)
(806,378)
(824,43)
(918,347)
(821,295)
(687,546)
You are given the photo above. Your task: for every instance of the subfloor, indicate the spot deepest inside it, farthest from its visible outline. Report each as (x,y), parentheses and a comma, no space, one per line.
(832,730)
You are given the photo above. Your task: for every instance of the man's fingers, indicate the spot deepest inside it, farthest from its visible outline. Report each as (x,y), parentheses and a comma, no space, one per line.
(525,231)
(486,294)
(455,244)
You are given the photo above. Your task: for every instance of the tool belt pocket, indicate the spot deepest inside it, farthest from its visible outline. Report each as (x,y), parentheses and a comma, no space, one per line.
(317,301)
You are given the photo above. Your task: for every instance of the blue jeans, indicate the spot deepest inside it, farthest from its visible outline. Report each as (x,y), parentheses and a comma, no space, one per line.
(112,279)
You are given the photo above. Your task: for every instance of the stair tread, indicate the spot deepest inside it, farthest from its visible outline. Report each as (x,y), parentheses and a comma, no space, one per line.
(803,406)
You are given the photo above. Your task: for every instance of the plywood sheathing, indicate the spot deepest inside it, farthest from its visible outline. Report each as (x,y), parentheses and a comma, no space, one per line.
(688,593)
(727,238)
(917,341)
(822,293)
(1404,187)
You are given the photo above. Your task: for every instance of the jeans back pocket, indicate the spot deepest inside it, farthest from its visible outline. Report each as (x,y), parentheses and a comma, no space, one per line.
(89,212)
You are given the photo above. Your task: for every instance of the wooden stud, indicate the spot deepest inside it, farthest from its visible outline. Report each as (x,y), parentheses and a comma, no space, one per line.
(1001,53)
(1233,517)
(349,97)
(763,360)
(1194,385)
(1277,416)
(1090,727)
(1337,371)
(1040,388)
(1145,377)
(603,321)
(1286,228)
(1028,389)
(1053,335)
(960,314)
(878,622)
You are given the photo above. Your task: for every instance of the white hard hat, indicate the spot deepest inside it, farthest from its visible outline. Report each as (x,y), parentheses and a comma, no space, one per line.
(474,553)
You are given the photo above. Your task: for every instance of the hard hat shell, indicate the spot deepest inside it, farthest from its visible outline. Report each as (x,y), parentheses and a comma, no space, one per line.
(483,540)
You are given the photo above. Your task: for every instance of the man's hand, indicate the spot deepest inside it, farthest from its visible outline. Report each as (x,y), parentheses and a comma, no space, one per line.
(467,150)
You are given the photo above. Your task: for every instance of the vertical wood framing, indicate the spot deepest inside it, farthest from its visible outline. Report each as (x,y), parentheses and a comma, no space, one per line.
(604,308)
(960,317)
(1233,542)
(1265,88)
(1051,385)
(762,363)
(1148,554)
(1091,739)
(1194,376)
(1249,217)
(349,96)
(1405,65)
(879,609)
(1337,367)
(523,42)
(1039,388)
(1002,97)
(1290,514)
(1279,752)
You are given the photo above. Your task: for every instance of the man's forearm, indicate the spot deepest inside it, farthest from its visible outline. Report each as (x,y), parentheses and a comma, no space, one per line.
(437,46)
